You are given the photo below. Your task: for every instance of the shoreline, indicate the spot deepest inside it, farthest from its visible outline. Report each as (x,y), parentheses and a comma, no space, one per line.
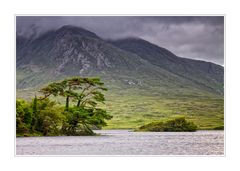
(97,134)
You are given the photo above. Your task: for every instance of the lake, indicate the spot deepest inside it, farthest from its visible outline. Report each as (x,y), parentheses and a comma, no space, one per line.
(125,142)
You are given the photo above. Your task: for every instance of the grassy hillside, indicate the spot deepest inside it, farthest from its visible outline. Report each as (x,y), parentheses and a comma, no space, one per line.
(132,110)
(132,107)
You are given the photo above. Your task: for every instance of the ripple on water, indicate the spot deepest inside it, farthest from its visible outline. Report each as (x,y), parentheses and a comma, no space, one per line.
(125,142)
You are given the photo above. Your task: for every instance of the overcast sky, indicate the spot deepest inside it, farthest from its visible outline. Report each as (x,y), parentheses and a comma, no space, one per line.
(198,37)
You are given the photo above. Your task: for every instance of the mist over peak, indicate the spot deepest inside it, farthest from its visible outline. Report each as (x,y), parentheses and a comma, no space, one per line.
(196,37)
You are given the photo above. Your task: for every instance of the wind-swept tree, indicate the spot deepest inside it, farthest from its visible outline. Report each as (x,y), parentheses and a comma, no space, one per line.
(87,92)
(55,89)
(90,93)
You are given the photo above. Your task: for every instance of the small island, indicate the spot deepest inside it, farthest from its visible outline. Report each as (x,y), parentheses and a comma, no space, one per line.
(175,125)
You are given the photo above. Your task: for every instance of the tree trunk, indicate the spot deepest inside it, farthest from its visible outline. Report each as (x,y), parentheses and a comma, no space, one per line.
(78,104)
(88,129)
(67,103)
(34,108)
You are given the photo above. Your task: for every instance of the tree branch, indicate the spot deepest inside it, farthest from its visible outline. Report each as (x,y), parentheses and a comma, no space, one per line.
(46,96)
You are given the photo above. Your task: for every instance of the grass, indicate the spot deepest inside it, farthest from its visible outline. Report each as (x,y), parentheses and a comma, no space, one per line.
(132,108)
(132,111)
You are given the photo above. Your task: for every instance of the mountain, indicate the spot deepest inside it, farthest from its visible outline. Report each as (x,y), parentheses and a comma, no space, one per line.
(203,73)
(71,51)
(146,82)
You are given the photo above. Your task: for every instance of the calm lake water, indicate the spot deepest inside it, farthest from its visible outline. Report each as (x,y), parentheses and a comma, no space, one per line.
(125,142)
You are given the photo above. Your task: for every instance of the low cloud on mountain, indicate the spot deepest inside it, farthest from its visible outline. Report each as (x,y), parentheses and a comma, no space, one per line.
(196,37)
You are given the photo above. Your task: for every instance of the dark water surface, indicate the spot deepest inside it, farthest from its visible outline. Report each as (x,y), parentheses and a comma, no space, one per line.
(125,142)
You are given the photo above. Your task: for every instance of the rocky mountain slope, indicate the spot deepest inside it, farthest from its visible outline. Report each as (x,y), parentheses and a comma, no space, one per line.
(74,51)
(205,74)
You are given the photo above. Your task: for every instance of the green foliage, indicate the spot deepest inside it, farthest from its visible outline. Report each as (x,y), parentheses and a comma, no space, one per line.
(50,120)
(23,116)
(27,117)
(35,105)
(43,117)
(90,93)
(219,128)
(77,119)
(46,117)
(80,120)
(176,125)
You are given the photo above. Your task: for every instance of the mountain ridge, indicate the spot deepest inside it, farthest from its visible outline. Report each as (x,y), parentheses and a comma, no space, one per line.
(72,51)
(188,68)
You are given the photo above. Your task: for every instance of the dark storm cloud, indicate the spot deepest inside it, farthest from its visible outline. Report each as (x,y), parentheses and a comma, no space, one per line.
(197,37)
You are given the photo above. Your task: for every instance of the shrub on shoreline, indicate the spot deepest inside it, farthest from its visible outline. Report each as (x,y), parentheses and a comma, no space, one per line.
(176,125)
